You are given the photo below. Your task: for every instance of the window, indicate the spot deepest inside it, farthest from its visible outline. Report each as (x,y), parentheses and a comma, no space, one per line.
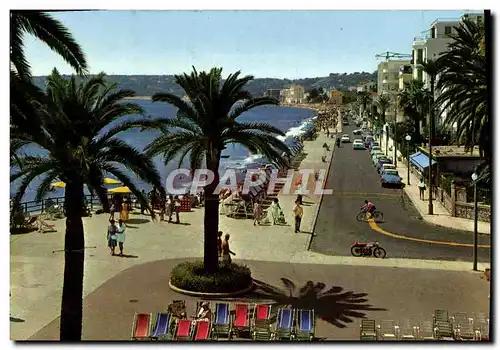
(447,30)
(420,55)
(419,74)
(433,32)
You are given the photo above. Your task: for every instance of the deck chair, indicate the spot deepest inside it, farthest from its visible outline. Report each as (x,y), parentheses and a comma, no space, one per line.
(261,322)
(442,325)
(222,321)
(162,327)
(463,326)
(481,327)
(387,330)
(30,222)
(407,331)
(305,325)
(44,227)
(426,331)
(202,330)
(241,321)
(284,325)
(183,330)
(141,326)
(367,330)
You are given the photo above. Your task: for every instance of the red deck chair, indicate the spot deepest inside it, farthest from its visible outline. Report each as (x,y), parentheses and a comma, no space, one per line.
(141,326)
(261,318)
(241,318)
(202,330)
(183,330)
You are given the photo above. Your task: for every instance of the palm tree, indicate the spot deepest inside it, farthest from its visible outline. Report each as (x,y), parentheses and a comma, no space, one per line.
(205,126)
(79,151)
(383,104)
(47,29)
(364,98)
(463,82)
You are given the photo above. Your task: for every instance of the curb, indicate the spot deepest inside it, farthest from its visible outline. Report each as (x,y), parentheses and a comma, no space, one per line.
(211,295)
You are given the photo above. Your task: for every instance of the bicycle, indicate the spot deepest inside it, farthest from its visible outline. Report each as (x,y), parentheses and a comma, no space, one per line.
(376,216)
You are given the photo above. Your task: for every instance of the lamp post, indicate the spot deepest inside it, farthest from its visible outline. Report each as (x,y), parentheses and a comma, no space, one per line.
(386,139)
(396,108)
(408,139)
(474,251)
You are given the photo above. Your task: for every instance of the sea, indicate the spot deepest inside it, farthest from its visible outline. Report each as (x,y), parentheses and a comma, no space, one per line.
(290,120)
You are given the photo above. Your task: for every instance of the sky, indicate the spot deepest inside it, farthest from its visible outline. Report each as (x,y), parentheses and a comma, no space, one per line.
(273,44)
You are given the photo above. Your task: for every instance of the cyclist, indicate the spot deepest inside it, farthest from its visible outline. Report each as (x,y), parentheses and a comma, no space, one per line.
(368,207)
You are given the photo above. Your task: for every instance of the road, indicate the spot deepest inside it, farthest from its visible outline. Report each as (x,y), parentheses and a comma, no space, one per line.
(353,179)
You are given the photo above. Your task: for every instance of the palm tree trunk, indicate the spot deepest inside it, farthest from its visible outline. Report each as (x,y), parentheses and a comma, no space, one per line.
(74,243)
(211,221)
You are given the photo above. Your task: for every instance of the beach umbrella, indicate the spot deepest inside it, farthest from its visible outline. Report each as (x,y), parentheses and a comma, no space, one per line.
(110,181)
(58,184)
(122,189)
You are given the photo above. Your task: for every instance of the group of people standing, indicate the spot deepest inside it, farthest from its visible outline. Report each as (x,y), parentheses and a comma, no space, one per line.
(168,206)
(223,249)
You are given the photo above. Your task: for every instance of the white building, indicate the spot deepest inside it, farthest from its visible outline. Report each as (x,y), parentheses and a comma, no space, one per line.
(433,43)
(388,83)
(366,86)
(273,93)
(293,94)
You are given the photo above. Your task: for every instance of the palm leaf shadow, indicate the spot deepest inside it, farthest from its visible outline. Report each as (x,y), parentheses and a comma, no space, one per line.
(335,306)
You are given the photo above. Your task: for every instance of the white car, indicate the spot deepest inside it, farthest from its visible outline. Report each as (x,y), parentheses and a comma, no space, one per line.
(345,139)
(358,144)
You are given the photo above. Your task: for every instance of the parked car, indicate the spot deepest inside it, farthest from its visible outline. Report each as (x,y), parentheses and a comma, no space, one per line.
(374,149)
(358,144)
(381,162)
(389,172)
(374,144)
(357,132)
(345,138)
(368,141)
(391,180)
(376,157)
(388,166)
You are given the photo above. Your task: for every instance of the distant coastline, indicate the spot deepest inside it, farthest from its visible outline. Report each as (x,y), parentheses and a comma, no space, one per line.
(142,98)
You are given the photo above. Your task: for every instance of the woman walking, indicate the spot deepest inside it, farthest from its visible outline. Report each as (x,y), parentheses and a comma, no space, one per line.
(421,188)
(120,235)
(111,236)
(226,251)
(257,212)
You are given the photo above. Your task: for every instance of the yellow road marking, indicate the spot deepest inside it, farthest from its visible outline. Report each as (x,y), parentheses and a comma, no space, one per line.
(375,227)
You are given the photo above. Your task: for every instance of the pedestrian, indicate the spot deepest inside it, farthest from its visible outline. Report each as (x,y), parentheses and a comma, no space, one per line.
(124,214)
(257,212)
(120,235)
(421,188)
(177,206)
(298,211)
(226,251)
(169,206)
(112,210)
(111,236)
(219,243)
(143,207)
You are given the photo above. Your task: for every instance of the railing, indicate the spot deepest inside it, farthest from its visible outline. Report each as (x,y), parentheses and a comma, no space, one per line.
(34,207)
(429,36)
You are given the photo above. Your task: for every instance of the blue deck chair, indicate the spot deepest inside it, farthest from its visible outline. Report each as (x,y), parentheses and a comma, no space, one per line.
(284,325)
(222,322)
(161,330)
(305,325)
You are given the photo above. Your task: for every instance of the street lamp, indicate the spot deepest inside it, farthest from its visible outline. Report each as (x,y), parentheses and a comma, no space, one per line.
(474,251)
(408,139)
(386,139)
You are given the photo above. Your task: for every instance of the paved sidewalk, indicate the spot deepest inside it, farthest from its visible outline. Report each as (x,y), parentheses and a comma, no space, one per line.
(441,216)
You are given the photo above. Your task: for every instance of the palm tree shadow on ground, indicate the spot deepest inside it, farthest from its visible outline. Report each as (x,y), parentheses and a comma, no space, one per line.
(334,306)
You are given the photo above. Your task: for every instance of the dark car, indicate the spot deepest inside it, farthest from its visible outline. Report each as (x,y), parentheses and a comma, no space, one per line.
(368,141)
(381,162)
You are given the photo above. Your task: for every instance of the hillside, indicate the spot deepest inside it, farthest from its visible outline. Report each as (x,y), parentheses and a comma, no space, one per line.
(147,85)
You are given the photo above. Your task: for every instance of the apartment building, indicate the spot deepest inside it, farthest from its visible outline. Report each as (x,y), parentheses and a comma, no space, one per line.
(366,86)
(336,97)
(293,94)
(432,43)
(388,84)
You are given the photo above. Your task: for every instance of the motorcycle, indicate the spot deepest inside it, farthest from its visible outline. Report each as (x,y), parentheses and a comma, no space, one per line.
(368,249)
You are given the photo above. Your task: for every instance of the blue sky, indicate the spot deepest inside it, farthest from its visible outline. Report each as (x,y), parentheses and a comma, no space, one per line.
(280,44)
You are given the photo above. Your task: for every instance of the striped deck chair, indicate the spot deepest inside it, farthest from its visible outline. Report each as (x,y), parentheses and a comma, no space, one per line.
(387,330)
(241,322)
(261,322)
(407,331)
(183,330)
(482,327)
(284,325)
(222,321)
(426,331)
(202,330)
(463,326)
(367,330)
(305,325)
(442,325)
(161,329)
(141,326)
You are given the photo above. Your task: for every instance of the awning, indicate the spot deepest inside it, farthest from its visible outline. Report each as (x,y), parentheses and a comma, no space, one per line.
(420,160)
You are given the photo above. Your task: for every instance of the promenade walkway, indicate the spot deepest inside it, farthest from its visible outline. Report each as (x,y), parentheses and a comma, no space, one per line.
(441,216)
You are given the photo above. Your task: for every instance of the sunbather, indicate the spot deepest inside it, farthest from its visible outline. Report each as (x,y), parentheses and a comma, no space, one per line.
(204,313)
